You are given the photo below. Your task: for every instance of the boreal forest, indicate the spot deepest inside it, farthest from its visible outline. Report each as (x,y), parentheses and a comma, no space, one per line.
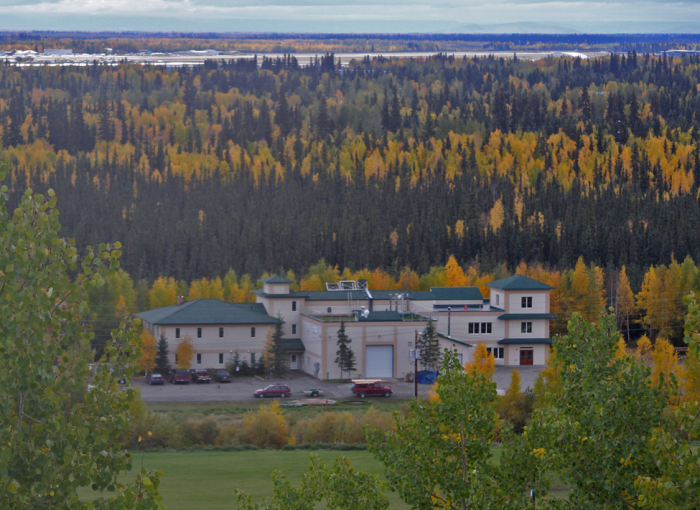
(260,166)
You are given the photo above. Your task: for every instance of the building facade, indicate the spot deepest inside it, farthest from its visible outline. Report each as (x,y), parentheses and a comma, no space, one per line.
(513,324)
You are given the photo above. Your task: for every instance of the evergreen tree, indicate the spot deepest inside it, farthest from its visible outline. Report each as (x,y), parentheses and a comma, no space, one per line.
(345,356)
(429,346)
(162,362)
(277,353)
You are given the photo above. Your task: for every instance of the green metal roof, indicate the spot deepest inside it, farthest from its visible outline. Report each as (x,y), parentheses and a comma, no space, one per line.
(275,279)
(208,311)
(456,294)
(450,339)
(293,344)
(519,282)
(332,295)
(526,316)
(294,295)
(521,341)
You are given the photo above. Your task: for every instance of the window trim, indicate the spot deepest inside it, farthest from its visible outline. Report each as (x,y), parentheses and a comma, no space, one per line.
(199,332)
(526,302)
(221,358)
(526,327)
(294,329)
(177,332)
(199,358)
(252,332)
(221,332)
(294,306)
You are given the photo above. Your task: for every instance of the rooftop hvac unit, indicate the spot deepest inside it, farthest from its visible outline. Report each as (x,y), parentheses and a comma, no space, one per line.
(361,284)
(332,286)
(348,285)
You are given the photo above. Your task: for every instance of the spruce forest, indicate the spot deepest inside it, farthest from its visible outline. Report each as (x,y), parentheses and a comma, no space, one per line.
(260,166)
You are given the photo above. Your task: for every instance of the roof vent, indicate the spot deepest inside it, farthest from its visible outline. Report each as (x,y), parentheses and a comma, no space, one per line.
(180,299)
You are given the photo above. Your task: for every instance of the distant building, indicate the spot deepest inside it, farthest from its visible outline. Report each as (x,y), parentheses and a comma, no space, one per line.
(57,52)
(383,324)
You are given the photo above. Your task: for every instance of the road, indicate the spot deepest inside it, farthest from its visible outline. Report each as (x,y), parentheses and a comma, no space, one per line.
(242,389)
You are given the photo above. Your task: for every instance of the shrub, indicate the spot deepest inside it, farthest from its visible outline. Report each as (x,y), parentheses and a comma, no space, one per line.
(266,428)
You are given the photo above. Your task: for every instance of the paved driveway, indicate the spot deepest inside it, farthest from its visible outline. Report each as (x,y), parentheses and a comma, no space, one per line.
(242,388)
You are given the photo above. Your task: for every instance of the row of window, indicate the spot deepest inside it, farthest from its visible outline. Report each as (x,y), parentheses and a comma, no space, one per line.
(496,352)
(198,357)
(483,328)
(526,301)
(221,332)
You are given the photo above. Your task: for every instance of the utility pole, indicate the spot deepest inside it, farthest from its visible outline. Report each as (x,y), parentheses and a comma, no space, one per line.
(415,369)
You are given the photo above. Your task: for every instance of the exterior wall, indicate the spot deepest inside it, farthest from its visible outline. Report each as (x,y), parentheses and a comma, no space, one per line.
(539,354)
(236,338)
(311,331)
(467,353)
(276,288)
(337,307)
(540,303)
(459,326)
(540,329)
(283,308)
(498,299)
(322,344)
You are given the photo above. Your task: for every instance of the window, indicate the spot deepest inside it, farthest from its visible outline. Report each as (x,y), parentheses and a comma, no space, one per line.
(328,310)
(496,352)
(252,332)
(294,329)
(527,302)
(498,299)
(199,359)
(294,306)
(199,332)
(221,332)
(176,358)
(526,327)
(177,332)
(479,327)
(252,359)
(221,358)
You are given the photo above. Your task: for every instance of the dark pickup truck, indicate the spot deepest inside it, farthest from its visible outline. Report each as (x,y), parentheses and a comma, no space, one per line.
(370,387)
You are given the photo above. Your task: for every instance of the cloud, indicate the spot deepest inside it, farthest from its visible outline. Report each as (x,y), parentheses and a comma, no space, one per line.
(569,12)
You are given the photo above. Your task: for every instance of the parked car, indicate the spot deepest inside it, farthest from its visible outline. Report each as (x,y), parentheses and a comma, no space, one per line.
(370,387)
(154,379)
(180,376)
(273,390)
(201,376)
(222,376)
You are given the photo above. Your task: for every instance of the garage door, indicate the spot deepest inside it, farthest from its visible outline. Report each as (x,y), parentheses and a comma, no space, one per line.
(380,361)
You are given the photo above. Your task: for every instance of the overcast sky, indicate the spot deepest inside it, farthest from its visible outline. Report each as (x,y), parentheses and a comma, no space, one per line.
(353,16)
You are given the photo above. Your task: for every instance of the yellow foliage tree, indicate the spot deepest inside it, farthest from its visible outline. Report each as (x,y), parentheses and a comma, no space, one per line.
(665,361)
(621,351)
(484,362)
(548,382)
(147,361)
(644,348)
(626,306)
(497,215)
(650,299)
(408,279)
(455,274)
(163,292)
(120,310)
(312,283)
(184,353)
(691,381)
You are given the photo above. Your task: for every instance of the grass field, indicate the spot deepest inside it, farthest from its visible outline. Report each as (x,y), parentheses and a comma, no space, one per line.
(198,480)
(194,480)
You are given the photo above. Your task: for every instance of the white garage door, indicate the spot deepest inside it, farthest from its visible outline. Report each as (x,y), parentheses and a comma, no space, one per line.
(380,361)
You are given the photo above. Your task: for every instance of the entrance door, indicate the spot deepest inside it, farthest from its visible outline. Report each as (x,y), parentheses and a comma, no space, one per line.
(526,356)
(294,363)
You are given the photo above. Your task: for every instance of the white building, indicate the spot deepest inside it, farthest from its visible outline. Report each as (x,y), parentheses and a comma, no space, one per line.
(383,325)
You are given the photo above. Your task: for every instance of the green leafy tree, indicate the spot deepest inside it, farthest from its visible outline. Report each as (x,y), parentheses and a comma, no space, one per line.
(600,420)
(429,346)
(57,433)
(162,360)
(340,487)
(677,485)
(345,356)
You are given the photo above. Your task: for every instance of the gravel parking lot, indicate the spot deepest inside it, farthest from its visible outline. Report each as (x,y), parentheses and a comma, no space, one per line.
(242,388)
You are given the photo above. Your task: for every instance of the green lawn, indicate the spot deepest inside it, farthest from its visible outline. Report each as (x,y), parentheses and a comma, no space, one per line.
(198,480)
(194,480)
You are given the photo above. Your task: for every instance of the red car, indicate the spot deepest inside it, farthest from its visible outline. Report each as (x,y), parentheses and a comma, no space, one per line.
(201,376)
(273,390)
(370,387)
(180,376)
